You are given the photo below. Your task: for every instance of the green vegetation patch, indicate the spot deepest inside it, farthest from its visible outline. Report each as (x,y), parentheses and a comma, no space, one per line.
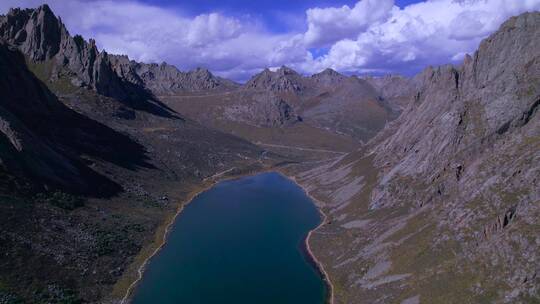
(61,200)
(8,297)
(439,275)
(56,295)
(417,251)
(113,240)
(44,70)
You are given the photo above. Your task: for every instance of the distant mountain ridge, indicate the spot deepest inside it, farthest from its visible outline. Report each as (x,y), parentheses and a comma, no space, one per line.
(329,100)
(286,80)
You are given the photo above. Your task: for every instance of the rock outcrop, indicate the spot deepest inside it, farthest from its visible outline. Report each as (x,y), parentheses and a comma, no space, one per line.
(263,110)
(284,80)
(42,37)
(165,79)
(36,32)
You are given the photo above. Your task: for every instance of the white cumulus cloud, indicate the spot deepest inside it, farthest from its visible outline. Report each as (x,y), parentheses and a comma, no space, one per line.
(328,25)
(426,33)
(373,36)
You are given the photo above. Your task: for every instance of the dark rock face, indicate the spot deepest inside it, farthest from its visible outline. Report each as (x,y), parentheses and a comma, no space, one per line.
(36,128)
(36,32)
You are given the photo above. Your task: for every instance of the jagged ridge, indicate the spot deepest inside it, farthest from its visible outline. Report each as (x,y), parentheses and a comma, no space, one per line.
(43,37)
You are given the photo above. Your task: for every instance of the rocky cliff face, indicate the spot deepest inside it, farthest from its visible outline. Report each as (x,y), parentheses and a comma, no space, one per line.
(36,32)
(43,37)
(442,206)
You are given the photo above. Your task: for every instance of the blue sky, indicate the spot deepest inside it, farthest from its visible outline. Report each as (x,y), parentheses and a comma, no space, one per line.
(238,38)
(268,10)
(202,6)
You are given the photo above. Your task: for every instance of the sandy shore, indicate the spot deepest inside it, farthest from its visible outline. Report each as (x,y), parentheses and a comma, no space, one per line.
(318,264)
(162,241)
(207,184)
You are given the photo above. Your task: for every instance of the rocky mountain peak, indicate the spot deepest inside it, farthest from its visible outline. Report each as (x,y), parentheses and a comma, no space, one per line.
(202,79)
(285,70)
(329,71)
(41,36)
(282,80)
(37,32)
(202,73)
(45,8)
(496,91)
(328,77)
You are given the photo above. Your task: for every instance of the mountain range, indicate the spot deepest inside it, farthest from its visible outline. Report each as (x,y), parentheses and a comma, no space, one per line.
(429,184)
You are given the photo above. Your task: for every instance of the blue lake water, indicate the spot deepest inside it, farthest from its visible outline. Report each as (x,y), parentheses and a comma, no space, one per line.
(240,242)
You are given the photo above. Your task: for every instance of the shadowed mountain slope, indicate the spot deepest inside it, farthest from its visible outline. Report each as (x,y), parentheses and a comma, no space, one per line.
(43,139)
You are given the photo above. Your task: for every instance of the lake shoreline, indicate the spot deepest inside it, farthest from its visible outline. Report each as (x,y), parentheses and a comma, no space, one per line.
(206,185)
(162,241)
(313,259)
